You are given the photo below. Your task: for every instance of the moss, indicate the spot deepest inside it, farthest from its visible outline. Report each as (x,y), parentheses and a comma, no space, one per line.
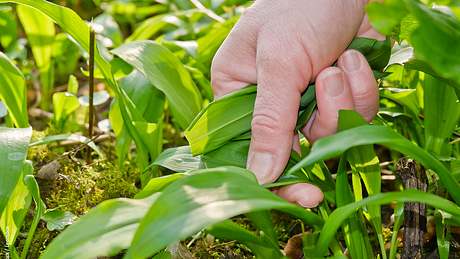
(77,188)
(80,187)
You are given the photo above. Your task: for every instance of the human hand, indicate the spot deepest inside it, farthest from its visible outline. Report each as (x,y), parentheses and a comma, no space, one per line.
(282,46)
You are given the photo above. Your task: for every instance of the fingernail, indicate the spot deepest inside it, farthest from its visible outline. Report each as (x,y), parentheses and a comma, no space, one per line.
(351,61)
(334,83)
(309,199)
(308,202)
(261,164)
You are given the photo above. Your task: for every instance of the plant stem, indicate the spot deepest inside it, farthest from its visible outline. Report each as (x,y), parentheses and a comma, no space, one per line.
(38,214)
(92,35)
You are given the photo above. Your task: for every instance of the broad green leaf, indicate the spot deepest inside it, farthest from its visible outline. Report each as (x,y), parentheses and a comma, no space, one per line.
(14,144)
(40,32)
(148,101)
(206,197)
(13,215)
(339,143)
(336,219)
(103,231)
(13,92)
(167,73)
(234,153)
(442,113)
(157,184)
(179,159)
(215,125)
(152,136)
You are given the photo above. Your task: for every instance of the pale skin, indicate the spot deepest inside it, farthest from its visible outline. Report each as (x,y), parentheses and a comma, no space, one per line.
(282,46)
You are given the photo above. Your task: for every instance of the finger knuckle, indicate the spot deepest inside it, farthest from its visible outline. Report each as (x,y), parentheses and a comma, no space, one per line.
(266,123)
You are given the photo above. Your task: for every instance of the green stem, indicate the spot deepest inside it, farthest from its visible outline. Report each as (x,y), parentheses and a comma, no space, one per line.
(30,235)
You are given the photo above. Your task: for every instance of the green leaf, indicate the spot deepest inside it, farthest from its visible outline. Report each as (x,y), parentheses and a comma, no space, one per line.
(157,184)
(152,135)
(167,73)
(13,215)
(228,230)
(14,144)
(384,17)
(336,219)
(64,104)
(442,113)
(205,197)
(442,235)
(40,32)
(179,159)
(215,126)
(103,231)
(58,220)
(13,92)
(365,166)
(436,33)
(149,27)
(40,208)
(148,101)
(337,144)
(8,27)
(398,221)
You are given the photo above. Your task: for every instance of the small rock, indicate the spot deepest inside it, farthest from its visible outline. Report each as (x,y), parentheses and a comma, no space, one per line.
(49,171)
